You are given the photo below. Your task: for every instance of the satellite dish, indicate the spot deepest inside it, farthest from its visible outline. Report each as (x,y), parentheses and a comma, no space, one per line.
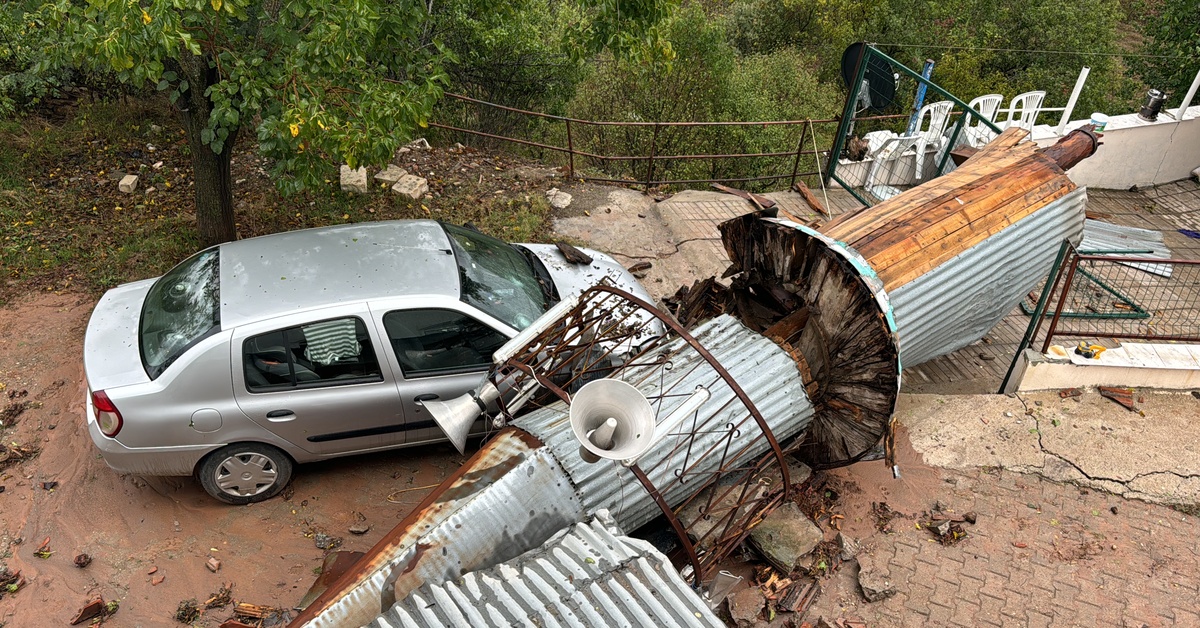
(879,81)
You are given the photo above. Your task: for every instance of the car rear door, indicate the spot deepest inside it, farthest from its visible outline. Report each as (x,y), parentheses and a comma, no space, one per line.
(318,380)
(441,349)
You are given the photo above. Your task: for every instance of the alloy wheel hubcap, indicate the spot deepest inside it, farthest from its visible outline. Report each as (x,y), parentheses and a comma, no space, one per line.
(246,474)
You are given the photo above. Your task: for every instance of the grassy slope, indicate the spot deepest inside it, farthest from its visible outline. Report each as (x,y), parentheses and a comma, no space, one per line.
(64,224)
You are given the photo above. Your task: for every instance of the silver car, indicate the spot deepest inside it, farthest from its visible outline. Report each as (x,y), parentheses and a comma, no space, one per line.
(254,355)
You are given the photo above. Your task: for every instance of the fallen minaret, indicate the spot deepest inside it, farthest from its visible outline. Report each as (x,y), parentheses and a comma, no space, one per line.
(604,410)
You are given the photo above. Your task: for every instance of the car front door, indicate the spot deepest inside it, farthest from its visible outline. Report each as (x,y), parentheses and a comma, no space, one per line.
(318,381)
(441,353)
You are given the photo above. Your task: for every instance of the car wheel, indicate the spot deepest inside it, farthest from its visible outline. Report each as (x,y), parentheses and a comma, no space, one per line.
(245,473)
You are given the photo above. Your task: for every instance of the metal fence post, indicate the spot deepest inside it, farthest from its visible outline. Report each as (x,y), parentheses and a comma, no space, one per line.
(799,151)
(941,167)
(1038,312)
(1062,299)
(839,139)
(650,160)
(570,152)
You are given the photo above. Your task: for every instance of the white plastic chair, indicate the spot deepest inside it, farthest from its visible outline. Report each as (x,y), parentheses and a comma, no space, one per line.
(978,133)
(934,134)
(887,151)
(1025,108)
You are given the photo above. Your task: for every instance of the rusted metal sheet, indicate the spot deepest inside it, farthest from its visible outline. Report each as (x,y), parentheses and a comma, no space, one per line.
(588,575)
(958,302)
(512,495)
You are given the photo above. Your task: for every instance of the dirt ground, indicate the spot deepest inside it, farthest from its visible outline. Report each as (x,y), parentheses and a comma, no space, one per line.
(131,526)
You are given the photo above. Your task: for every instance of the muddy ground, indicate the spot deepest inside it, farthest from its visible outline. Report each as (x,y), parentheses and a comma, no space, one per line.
(130,525)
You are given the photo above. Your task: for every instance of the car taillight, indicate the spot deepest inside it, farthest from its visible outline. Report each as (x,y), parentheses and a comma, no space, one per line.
(107,416)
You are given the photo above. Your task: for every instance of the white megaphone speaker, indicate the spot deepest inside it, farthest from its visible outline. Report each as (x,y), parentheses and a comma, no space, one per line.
(456,416)
(612,420)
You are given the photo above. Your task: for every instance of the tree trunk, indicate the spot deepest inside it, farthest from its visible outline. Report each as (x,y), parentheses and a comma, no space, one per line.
(214,192)
(210,171)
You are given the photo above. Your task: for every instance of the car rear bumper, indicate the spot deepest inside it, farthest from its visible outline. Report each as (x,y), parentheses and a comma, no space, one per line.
(144,460)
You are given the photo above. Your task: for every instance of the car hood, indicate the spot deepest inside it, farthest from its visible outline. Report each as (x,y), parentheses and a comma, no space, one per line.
(110,346)
(572,279)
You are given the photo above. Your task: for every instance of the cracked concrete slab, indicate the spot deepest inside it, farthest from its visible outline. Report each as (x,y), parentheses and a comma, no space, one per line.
(1087,440)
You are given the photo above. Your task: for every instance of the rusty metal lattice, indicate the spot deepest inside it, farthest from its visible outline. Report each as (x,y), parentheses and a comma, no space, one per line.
(709,463)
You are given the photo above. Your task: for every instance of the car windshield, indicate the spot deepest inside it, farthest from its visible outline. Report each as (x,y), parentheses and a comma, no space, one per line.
(496,278)
(181,308)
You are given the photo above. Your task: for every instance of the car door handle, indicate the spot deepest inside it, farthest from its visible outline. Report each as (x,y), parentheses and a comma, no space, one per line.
(427,397)
(279,416)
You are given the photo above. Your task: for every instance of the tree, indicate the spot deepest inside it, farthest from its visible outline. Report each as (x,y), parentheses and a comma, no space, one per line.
(1173,38)
(318,81)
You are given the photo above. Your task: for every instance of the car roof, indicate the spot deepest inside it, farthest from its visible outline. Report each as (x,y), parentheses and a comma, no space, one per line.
(270,275)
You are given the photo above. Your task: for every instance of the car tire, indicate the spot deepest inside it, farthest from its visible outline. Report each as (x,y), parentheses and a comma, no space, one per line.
(245,473)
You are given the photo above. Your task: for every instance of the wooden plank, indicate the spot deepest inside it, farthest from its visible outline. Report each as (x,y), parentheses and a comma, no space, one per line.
(976,210)
(972,203)
(913,266)
(846,227)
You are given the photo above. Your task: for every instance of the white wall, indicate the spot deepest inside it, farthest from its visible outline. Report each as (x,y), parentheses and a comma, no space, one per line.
(1136,152)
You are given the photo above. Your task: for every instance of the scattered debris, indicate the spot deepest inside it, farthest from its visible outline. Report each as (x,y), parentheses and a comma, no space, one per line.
(152,570)
(759,201)
(187,612)
(213,564)
(360,528)
(128,183)
(83,560)
(263,615)
(391,174)
(10,581)
(325,542)
(1123,396)
(43,550)
(412,186)
(354,179)
(233,623)
(802,189)
(784,536)
(876,585)
(847,547)
(639,269)
(49,486)
(573,255)
(946,531)
(798,597)
(746,607)
(222,598)
(558,199)
(883,516)
(97,608)
(1069,392)
(418,144)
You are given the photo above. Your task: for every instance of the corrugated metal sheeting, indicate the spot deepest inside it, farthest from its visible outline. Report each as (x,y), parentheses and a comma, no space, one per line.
(586,576)
(764,370)
(513,498)
(1110,239)
(958,302)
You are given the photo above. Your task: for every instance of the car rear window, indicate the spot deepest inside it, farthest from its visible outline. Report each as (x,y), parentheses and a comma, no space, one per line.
(181,308)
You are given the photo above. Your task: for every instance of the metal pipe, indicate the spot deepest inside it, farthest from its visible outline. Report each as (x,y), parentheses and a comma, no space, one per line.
(650,160)
(1070,108)
(1187,100)
(919,101)
(570,152)
(1062,299)
(1034,322)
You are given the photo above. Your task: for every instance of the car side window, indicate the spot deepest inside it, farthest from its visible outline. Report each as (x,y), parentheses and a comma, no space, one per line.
(325,353)
(440,342)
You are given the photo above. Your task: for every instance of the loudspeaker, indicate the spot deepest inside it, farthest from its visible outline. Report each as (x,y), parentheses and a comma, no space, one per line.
(456,416)
(612,420)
